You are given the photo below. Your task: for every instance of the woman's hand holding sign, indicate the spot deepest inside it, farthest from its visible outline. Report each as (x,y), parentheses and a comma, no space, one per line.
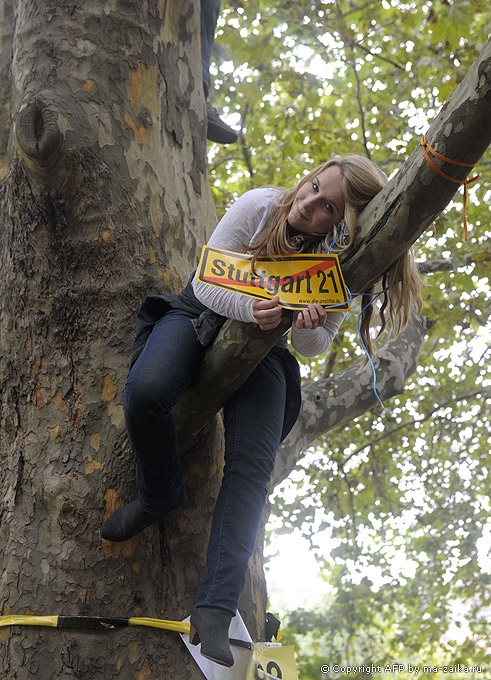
(267,314)
(311,317)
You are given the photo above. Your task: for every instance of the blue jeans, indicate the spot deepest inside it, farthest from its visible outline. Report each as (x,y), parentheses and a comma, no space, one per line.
(210,11)
(253,419)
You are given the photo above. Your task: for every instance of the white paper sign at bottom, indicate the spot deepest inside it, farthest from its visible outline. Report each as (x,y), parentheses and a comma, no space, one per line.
(242,655)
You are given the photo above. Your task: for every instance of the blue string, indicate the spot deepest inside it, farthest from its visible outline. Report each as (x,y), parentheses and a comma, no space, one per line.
(373,297)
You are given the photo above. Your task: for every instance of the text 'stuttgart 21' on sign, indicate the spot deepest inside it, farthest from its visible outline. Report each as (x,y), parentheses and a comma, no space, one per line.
(298,279)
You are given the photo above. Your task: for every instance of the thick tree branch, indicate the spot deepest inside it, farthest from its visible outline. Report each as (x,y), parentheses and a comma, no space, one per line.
(337,400)
(402,211)
(432,266)
(235,353)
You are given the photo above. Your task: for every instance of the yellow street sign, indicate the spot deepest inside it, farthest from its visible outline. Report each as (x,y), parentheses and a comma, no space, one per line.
(298,279)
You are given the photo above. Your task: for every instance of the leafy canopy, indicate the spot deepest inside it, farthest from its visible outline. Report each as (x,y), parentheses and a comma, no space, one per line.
(396,505)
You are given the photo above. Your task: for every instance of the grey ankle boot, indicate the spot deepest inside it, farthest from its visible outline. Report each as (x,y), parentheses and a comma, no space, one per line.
(128,521)
(209,625)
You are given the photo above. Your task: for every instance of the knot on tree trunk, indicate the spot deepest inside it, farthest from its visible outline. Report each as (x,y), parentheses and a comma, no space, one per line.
(38,135)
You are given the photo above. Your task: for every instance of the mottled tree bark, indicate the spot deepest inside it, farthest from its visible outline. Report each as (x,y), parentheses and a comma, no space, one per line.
(6,37)
(105,201)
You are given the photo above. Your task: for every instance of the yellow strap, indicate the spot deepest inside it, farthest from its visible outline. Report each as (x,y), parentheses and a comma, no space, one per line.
(25,620)
(52,621)
(178,626)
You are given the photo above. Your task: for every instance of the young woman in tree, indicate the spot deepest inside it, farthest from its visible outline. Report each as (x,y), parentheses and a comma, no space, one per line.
(316,216)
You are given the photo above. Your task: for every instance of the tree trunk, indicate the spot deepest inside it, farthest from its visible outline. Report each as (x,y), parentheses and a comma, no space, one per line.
(105,201)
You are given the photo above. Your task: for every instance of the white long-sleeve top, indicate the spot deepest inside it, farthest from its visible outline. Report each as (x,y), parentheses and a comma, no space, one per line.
(240,226)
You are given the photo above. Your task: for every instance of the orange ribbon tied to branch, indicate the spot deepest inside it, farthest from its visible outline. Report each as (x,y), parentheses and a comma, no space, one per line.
(427,148)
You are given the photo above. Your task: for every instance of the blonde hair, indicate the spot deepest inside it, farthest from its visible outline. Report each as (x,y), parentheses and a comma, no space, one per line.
(361,180)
